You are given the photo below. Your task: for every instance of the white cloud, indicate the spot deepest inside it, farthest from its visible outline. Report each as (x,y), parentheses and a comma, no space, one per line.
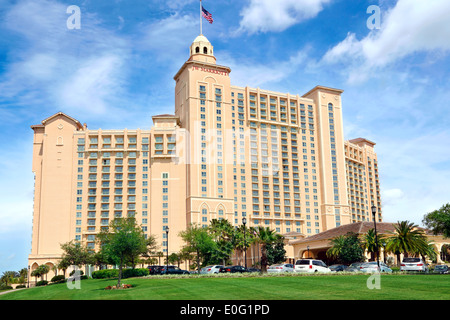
(414,173)
(66,70)
(269,15)
(390,196)
(249,73)
(409,27)
(91,85)
(169,37)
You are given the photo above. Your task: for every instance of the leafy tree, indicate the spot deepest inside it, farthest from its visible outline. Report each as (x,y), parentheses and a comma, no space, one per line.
(276,252)
(199,241)
(74,254)
(175,258)
(122,242)
(346,248)
(353,250)
(408,239)
(439,220)
(152,247)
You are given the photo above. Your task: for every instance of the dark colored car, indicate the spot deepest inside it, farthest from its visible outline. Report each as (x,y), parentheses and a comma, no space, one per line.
(337,267)
(440,269)
(154,269)
(253,270)
(233,269)
(173,270)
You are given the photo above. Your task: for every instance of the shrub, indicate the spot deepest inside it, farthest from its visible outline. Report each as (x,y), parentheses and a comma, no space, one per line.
(3,286)
(114,273)
(80,272)
(59,278)
(129,273)
(105,274)
(41,283)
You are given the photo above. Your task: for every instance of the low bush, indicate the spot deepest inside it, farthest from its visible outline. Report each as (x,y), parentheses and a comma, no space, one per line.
(105,274)
(59,278)
(41,283)
(131,273)
(5,287)
(114,273)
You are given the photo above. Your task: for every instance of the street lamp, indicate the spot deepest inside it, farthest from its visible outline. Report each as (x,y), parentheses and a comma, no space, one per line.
(167,250)
(244,221)
(374,211)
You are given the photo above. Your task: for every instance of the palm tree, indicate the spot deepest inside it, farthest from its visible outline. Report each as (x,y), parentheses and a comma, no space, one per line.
(408,239)
(336,247)
(8,277)
(265,237)
(222,232)
(238,240)
(370,243)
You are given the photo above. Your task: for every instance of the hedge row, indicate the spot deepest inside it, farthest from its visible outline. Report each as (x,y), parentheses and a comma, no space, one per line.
(114,273)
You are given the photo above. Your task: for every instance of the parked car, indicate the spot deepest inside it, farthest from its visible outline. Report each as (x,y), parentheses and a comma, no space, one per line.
(253,270)
(441,269)
(154,269)
(337,267)
(354,267)
(282,267)
(413,264)
(310,265)
(233,269)
(211,269)
(173,270)
(373,267)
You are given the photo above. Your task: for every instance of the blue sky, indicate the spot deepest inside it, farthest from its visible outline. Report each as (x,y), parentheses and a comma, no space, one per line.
(117,71)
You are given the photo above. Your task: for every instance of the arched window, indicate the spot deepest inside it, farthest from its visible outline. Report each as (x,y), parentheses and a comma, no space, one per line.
(330,107)
(204,211)
(205,50)
(197,50)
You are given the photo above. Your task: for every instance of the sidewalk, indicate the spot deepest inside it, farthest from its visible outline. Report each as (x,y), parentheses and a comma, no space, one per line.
(12,290)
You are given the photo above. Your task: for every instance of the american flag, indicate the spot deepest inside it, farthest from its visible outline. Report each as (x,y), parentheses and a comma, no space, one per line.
(207,15)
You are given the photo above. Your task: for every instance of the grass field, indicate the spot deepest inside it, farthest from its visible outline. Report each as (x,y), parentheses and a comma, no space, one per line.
(294,287)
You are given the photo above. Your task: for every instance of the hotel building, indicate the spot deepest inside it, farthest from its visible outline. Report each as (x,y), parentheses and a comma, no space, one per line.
(279,160)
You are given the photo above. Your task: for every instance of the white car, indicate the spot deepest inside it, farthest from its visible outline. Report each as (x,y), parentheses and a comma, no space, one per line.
(278,268)
(413,264)
(310,265)
(210,269)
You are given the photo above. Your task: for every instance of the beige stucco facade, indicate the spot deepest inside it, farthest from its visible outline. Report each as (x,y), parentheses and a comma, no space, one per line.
(280,160)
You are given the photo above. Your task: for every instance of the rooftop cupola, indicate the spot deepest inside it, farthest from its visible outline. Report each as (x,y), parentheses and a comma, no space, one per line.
(202,50)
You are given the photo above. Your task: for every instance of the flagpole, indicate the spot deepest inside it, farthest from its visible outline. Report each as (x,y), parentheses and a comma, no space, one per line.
(201,31)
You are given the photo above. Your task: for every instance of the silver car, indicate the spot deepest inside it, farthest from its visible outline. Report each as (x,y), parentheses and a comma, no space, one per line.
(210,269)
(373,267)
(413,264)
(354,267)
(284,267)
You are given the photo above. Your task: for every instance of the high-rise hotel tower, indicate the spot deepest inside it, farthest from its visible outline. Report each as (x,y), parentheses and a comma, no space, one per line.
(279,160)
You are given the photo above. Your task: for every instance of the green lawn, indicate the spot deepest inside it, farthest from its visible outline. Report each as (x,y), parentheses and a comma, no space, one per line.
(296,287)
